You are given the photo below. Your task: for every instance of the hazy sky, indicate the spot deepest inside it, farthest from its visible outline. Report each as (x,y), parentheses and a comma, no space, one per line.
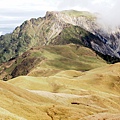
(14,12)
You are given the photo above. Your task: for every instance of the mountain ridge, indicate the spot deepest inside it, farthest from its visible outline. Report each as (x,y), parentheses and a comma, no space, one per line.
(42,31)
(48,60)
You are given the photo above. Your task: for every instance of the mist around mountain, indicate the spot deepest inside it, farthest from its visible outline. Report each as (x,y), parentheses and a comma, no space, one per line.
(58,67)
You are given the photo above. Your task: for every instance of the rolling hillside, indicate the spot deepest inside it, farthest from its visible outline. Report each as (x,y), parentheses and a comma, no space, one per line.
(69,94)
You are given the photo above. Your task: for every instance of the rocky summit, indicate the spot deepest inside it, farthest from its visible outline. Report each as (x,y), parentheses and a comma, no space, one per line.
(79,27)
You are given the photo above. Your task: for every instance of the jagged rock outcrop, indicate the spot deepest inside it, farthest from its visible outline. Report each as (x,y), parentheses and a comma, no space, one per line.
(56,26)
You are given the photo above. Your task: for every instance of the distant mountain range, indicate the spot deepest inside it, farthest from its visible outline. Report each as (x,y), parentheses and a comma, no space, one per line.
(69,26)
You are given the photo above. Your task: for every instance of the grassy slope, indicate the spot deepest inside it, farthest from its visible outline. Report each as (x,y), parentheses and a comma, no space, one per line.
(80,59)
(104,79)
(74,13)
(97,93)
(48,60)
(61,92)
(19,104)
(67,57)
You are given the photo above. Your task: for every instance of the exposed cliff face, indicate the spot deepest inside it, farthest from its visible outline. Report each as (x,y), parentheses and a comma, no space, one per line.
(105,42)
(51,29)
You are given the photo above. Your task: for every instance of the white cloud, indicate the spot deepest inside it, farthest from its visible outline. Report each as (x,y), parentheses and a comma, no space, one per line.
(1,33)
(29,5)
(101,1)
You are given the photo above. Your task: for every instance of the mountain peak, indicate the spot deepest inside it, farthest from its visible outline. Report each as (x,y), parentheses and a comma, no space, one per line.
(71,13)
(59,27)
(51,13)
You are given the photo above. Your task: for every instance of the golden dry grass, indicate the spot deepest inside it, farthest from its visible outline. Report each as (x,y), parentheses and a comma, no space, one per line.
(67,95)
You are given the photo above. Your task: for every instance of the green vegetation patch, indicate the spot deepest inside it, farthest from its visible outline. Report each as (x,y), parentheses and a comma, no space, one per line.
(75,13)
